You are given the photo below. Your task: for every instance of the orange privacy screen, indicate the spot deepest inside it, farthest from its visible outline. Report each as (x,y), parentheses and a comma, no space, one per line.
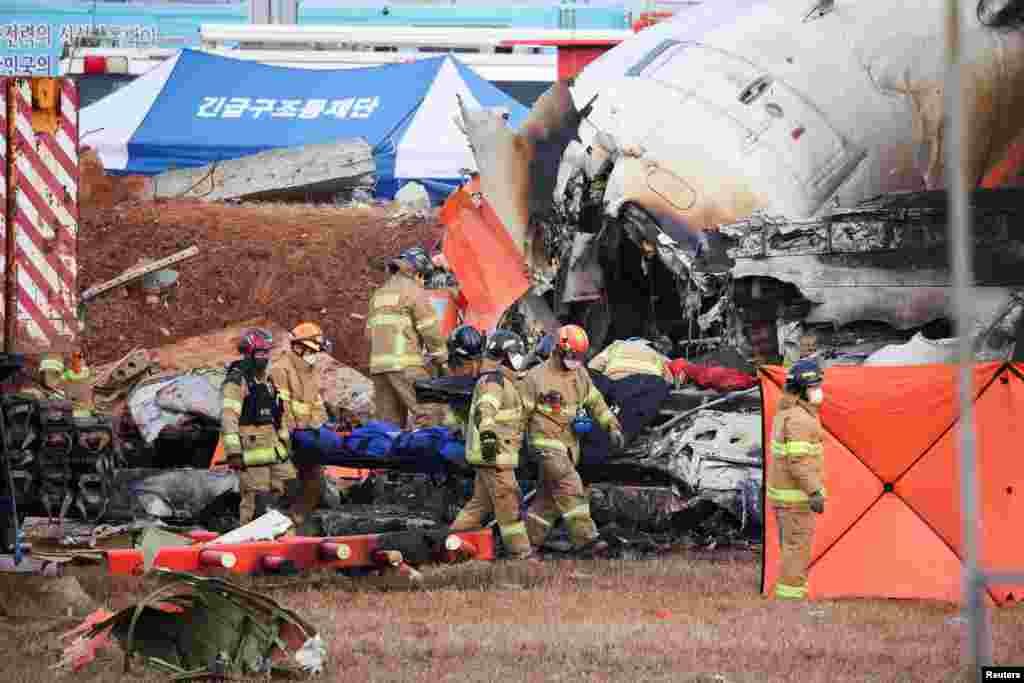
(892,525)
(483,257)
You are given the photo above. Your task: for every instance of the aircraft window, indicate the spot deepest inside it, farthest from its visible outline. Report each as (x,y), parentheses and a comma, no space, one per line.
(648,58)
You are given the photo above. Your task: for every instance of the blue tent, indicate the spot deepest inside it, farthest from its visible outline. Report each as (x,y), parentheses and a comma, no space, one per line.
(197,108)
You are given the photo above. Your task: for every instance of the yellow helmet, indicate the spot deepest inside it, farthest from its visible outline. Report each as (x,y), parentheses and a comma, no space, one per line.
(310,336)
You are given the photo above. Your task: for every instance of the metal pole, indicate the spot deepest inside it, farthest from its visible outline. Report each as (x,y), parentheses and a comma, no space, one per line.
(961,256)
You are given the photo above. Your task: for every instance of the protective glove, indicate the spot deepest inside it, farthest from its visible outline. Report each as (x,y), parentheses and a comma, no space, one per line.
(489,446)
(617,439)
(817,502)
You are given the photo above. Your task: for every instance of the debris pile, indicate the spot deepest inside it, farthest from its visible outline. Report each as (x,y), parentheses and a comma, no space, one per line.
(204,627)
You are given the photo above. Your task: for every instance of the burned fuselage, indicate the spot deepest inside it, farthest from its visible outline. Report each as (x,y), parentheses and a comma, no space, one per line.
(752,167)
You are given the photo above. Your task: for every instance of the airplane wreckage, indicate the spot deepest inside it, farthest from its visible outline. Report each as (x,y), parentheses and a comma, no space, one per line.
(740,175)
(751,169)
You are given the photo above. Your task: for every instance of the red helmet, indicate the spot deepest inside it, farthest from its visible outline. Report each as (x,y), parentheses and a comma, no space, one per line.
(573,343)
(256,344)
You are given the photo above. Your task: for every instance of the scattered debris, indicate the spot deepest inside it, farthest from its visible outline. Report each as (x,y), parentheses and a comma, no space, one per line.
(153,539)
(81,650)
(266,527)
(276,174)
(199,627)
(137,272)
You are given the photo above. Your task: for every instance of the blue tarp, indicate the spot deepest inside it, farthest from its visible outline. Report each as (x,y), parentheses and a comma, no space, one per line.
(198,108)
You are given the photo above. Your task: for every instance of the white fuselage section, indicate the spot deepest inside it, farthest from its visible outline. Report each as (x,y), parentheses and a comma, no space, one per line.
(744,105)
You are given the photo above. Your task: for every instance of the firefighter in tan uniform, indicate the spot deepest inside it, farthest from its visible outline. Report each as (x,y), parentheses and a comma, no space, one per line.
(401,324)
(465,359)
(796,479)
(557,394)
(294,373)
(76,384)
(494,435)
(250,424)
(629,357)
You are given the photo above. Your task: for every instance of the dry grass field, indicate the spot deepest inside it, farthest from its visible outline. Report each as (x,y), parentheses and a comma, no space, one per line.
(685,617)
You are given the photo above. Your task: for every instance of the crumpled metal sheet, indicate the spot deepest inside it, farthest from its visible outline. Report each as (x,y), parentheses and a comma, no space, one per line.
(168,494)
(846,292)
(199,626)
(148,416)
(718,457)
(644,508)
(519,170)
(641,227)
(198,392)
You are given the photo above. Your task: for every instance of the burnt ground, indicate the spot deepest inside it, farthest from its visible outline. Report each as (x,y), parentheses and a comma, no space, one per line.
(285,262)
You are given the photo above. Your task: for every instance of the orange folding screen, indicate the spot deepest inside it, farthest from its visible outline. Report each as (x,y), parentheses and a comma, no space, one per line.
(892,524)
(483,257)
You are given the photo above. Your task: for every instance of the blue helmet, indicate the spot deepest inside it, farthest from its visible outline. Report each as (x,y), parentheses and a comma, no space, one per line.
(415,259)
(465,343)
(802,374)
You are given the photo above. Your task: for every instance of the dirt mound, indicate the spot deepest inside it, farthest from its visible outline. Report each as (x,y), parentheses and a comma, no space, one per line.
(101,191)
(283,262)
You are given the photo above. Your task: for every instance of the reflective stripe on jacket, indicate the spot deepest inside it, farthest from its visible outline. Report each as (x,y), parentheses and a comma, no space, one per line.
(259,444)
(497,406)
(400,325)
(623,359)
(298,387)
(798,454)
(550,423)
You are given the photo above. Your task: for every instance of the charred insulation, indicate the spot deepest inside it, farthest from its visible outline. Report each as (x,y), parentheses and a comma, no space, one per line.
(1002,14)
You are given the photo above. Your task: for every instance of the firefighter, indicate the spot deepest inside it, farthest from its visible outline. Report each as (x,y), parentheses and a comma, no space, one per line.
(497,418)
(400,325)
(76,383)
(562,403)
(635,356)
(297,379)
(465,359)
(250,424)
(635,378)
(796,479)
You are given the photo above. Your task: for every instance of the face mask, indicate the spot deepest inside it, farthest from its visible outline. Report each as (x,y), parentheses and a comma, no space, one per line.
(259,364)
(571,364)
(515,360)
(815,395)
(311,359)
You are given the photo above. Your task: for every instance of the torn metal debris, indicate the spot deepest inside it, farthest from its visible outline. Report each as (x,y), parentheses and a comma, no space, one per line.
(201,627)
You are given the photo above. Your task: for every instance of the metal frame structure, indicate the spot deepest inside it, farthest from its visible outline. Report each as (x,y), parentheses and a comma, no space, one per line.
(975,580)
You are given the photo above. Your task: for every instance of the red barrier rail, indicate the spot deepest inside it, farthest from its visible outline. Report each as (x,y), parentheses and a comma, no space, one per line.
(302,553)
